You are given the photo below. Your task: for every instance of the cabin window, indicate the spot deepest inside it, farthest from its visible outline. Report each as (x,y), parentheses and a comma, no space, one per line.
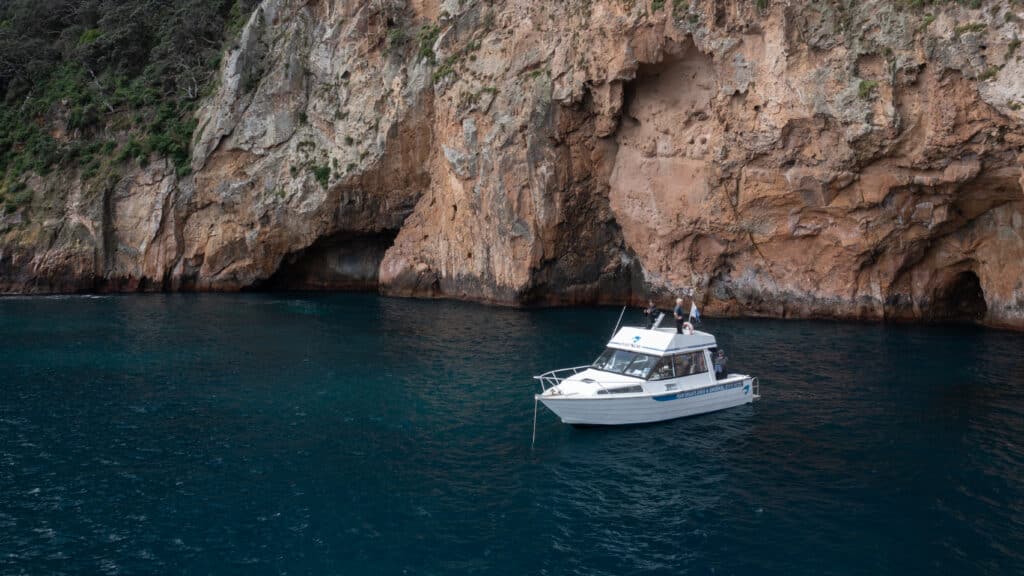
(641,365)
(682,364)
(625,362)
(689,364)
(621,390)
(615,360)
(663,369)
(645,366)
(699,365)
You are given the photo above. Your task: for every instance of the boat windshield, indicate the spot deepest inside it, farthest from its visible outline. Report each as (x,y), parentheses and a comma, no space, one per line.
(626,362)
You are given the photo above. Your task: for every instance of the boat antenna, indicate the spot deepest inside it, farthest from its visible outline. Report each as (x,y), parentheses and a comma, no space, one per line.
(619,322)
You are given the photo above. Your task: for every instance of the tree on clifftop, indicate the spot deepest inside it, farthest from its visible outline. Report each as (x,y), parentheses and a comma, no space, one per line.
(113,78)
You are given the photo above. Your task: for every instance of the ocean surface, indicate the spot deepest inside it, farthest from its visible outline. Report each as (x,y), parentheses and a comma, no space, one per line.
(353,434)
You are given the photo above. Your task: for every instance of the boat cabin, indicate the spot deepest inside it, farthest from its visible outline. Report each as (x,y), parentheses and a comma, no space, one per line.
(643,361)
(658,354)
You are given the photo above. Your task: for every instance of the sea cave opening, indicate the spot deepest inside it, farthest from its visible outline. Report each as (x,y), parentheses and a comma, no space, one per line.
(344,261)
(962,299)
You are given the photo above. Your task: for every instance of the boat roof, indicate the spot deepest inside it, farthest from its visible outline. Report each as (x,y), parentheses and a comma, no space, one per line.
(660,341)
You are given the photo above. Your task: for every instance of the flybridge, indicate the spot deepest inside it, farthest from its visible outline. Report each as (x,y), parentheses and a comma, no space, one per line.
(660,340)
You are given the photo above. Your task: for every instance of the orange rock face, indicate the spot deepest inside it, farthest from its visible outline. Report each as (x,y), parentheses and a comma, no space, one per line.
(802,160)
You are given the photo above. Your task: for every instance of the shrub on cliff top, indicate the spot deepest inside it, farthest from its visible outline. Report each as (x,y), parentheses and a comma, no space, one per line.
(105,68)
(14,196)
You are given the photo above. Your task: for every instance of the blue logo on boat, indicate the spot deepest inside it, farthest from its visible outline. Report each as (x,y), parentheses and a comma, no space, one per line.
(636,339)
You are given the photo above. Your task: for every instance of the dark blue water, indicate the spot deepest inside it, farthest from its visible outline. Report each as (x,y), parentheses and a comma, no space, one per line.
(352,434)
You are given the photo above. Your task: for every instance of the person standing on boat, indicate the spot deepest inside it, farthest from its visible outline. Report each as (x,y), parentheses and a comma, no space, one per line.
(678,313)
(720,364)
(650,313)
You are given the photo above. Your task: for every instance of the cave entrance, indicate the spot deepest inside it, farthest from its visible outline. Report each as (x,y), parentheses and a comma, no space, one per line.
(345,261)
(960,300)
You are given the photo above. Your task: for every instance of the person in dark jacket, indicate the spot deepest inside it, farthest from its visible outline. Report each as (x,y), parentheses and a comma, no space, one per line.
(650,313)
(720,365)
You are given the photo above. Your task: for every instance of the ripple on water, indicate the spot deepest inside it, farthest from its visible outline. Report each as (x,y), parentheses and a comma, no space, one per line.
(354,434)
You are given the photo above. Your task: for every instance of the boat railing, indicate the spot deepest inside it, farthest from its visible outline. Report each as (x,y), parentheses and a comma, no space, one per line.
(554,377)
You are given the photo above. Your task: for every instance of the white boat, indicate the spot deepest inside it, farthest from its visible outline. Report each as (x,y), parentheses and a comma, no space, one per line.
(645,376)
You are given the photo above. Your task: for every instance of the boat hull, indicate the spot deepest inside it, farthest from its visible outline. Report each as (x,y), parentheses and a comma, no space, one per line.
(642,409)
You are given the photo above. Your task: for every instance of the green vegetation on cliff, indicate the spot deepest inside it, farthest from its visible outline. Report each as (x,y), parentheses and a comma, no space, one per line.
(90,83)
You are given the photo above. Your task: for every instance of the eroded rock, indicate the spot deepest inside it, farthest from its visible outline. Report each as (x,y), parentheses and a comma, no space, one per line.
(809,159)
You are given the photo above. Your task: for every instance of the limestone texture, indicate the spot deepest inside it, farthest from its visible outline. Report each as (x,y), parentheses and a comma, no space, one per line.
(783,158)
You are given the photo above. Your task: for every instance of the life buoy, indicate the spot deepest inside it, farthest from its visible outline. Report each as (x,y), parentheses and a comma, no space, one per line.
(688,328)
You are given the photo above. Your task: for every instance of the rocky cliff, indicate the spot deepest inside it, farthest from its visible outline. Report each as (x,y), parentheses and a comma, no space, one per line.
(814,159)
